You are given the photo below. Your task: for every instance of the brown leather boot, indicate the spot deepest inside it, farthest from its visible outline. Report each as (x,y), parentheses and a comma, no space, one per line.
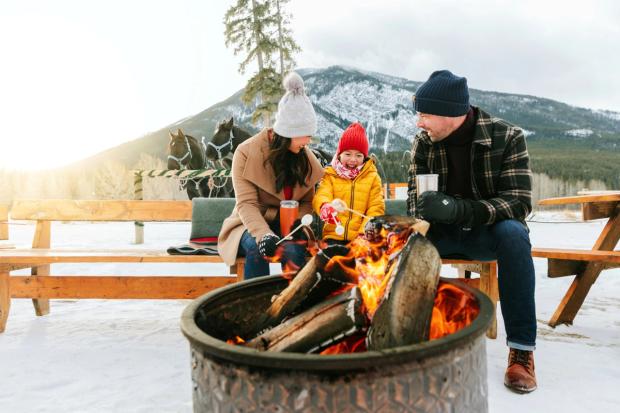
(520,376)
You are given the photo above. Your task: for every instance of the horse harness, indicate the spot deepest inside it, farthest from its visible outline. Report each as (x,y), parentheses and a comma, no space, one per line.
(188,153)
(218,148)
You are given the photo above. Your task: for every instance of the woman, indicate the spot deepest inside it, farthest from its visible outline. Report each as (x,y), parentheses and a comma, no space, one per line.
(272,166)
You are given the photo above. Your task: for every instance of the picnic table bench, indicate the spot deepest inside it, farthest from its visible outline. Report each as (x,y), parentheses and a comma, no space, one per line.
(585,265)
(40,285)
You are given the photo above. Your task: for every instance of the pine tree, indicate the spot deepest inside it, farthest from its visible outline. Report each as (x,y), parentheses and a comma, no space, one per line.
(287,46)
(259,28)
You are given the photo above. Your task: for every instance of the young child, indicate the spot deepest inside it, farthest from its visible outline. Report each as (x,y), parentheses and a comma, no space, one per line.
(353,178)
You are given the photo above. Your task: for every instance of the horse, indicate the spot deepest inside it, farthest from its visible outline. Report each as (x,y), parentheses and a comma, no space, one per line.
(186,152)
(227,137)
(225,140)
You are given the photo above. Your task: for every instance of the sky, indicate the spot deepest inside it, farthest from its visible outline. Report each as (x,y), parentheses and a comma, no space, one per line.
(78,77)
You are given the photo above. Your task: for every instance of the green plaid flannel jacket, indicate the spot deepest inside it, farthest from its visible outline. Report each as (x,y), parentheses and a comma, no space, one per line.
(501,178)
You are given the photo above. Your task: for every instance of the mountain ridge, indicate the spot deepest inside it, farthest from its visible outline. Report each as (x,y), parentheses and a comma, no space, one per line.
(383,104)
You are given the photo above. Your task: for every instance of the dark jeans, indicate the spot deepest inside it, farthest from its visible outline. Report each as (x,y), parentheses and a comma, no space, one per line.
(256,265)
(508,242)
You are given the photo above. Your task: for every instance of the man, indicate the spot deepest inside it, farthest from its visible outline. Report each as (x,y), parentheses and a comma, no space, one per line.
(479,211)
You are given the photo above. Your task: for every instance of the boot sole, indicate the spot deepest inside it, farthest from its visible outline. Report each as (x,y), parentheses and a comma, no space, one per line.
(520,390)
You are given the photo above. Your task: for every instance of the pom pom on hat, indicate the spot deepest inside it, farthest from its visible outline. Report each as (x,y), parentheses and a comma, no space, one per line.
(295,115)
(354,137)
(293,83)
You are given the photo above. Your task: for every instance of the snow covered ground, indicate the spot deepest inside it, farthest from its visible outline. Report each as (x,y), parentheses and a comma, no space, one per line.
(130,356)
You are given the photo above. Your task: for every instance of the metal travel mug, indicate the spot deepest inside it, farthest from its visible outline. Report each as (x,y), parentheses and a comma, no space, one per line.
(289,210)
(426,182)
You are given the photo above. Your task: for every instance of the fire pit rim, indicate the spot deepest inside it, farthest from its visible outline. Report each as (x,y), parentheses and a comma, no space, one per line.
(240,355)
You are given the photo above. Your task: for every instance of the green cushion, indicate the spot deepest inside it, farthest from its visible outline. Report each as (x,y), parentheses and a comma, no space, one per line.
(395,207)
(208,215)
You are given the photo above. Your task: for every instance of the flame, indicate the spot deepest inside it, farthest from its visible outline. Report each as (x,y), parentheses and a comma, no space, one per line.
(352,344)
(236,340)
(370,265)
(289,266)
(453,310)
(374,265)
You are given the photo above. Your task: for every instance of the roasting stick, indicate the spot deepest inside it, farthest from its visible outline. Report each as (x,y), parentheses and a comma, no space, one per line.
(421,226)
(305,221)
(340,206)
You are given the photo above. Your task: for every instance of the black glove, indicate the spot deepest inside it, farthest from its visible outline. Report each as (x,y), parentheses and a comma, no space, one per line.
(267,245)
(300,235)
(372,229)
(438,207)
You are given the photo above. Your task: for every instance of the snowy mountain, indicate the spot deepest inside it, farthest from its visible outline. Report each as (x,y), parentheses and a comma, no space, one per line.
(383,103)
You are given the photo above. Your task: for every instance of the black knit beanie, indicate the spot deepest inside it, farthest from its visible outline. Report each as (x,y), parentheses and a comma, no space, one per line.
(443,94)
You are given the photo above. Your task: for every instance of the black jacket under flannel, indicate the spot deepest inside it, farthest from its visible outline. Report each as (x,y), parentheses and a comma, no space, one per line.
(501,179)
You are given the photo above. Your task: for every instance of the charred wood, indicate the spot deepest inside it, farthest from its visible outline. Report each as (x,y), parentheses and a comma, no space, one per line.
(311,285)
(316,328)
(404,314)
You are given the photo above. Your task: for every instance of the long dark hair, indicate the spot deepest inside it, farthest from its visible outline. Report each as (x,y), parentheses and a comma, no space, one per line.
(290,168)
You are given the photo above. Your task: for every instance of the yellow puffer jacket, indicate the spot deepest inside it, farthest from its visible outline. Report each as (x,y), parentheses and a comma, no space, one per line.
(363,194)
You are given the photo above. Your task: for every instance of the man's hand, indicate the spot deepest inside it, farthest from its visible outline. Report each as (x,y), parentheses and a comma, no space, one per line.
(267,245)
(328,213)
(438,207)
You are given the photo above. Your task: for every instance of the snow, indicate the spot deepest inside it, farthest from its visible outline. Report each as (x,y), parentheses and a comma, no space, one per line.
(580,133)
(525,131)
(607,113)
(129,355)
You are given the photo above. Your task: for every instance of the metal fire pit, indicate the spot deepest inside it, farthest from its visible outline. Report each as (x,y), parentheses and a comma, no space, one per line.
(443,375)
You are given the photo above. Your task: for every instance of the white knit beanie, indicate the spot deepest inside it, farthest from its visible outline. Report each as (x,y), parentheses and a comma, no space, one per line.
(295,115)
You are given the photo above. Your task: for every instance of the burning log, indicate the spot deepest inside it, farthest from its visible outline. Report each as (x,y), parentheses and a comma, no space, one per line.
(316,328)
(399,223)
(404,314)
(395,274)
(311,285)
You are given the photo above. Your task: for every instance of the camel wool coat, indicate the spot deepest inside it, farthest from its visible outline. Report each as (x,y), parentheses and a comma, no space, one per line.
(257,202)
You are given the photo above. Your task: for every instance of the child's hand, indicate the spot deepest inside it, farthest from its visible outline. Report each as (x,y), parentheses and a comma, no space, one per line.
(328,213)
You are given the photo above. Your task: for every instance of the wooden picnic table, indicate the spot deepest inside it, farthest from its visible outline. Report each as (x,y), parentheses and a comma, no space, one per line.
(588,267)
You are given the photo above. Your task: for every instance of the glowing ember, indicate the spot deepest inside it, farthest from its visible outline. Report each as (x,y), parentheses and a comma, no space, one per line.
(352,344)
(236,340)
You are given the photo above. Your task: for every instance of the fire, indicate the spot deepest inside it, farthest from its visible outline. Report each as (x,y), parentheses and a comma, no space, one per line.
(370,266)
(353,344)
(236,340)
(453,310)
(289,267)
(374,265)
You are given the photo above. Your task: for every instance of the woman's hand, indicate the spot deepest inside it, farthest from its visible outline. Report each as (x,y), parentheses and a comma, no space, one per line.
(267,245)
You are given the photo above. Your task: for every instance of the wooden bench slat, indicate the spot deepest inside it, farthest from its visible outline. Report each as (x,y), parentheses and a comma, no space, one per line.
(51,256)
(580,199)
(114,287)
(577,255)
(106,210)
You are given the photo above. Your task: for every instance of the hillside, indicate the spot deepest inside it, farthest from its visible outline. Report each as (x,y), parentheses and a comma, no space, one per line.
(382,103)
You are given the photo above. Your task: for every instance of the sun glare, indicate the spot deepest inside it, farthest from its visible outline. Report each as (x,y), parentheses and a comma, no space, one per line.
(65,95)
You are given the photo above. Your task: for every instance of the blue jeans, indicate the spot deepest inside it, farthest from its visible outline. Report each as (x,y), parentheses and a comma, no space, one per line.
(508,242)
(256,265)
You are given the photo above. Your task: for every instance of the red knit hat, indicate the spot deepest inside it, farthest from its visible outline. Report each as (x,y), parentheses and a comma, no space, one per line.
(354,137)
